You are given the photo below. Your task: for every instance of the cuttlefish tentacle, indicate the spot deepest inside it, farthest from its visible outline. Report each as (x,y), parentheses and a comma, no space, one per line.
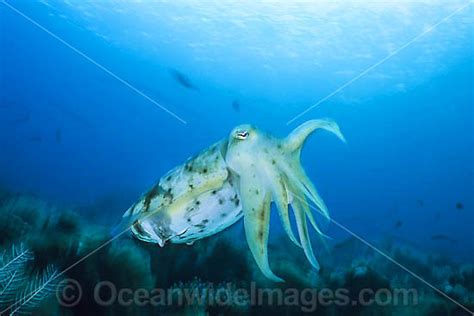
(270,170)
(299,203)
(300,208)
(280,197)
(300,191)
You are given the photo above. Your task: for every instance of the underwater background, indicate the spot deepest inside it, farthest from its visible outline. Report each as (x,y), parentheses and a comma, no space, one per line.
(99,99)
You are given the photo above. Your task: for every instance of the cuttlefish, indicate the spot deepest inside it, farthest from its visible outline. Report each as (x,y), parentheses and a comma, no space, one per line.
(236,177)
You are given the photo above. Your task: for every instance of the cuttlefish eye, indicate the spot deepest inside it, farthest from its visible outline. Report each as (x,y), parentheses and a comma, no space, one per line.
(241,135)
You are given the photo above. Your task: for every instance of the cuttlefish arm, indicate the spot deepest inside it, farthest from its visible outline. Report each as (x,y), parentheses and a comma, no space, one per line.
(256,203)
(294,144)
(270,170)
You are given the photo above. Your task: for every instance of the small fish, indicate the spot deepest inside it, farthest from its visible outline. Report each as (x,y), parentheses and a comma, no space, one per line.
(58,136)
(459,206)
(35,139)
(182,79)
(236,105)
(443,238)
(420,203)
(398,224)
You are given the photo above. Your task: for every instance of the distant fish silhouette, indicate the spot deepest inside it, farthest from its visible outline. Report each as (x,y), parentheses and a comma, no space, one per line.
(459,206)
(398,224)
(236,105)
(35,139)
(58,136)
(182,79)
(420,203)
(441,237)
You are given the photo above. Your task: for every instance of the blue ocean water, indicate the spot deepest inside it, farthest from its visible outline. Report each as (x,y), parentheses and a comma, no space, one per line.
(73,131)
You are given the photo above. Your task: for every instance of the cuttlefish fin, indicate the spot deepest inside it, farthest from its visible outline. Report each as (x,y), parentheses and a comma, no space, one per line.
(298,136)
(280,197)
(256,205)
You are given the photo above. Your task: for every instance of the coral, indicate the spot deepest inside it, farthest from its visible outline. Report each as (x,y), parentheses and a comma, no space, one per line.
(21,291)
(13,264)
(35,291)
